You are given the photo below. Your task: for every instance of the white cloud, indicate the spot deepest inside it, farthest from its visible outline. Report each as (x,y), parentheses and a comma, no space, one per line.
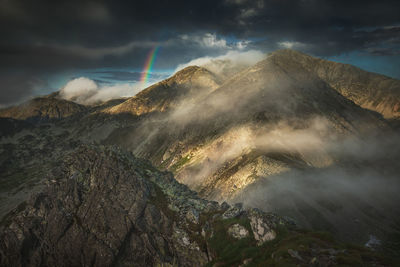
(85,91)
(242,44)
(79,89)
(292,45)
(227,64)
(211,40)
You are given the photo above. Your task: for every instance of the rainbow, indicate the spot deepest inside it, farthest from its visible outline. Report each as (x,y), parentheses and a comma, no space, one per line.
(148,66)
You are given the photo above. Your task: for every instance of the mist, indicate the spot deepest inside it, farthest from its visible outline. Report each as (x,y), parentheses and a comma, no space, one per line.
(352,202)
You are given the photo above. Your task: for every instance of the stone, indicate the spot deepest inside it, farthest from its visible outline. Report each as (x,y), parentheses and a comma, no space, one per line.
(238,231)
(260,225)
(225,206)
(233,212)
(193,216)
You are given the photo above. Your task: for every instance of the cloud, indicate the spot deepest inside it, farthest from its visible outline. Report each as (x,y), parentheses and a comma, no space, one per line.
(212,41)
(49,36)
(18,86)
(227,64)
(79,89)
(86,91)
(292,45)
(310,142)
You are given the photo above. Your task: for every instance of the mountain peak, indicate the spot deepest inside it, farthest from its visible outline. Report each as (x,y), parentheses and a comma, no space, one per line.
(192,74)
(369,90)
(191,80)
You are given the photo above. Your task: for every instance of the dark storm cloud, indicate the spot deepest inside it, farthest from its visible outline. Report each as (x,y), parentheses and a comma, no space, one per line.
(17,84)
(46,36)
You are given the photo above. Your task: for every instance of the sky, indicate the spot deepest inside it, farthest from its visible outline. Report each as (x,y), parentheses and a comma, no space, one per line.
(45,44)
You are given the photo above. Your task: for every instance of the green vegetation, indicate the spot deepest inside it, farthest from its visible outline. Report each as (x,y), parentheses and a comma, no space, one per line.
(181,162)
(313,248)
(227,250)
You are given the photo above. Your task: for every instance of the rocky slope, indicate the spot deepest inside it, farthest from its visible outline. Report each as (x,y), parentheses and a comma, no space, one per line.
(104,207)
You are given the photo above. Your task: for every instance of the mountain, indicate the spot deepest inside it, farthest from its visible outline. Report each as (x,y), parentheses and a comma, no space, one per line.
(169,92)
(103,207)
(43,109)
(272,95)
(278,136)
(368,90)
(272,121)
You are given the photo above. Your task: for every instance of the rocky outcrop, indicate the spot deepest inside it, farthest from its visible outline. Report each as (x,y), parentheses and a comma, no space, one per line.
(237,231)
(262,226)
(104,207)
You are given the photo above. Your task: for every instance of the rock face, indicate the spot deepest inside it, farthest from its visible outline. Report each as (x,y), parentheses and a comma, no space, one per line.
(259,224)
(104,207)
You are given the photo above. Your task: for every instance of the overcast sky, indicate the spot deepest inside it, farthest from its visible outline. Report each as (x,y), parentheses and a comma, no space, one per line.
(44,43)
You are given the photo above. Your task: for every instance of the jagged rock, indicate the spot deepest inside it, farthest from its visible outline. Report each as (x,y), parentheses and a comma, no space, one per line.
(100,210)
(233,212)
(102,206)
(237,231)
(225,206)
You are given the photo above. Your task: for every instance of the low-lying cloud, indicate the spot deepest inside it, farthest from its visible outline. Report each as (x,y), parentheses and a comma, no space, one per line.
(86,91)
